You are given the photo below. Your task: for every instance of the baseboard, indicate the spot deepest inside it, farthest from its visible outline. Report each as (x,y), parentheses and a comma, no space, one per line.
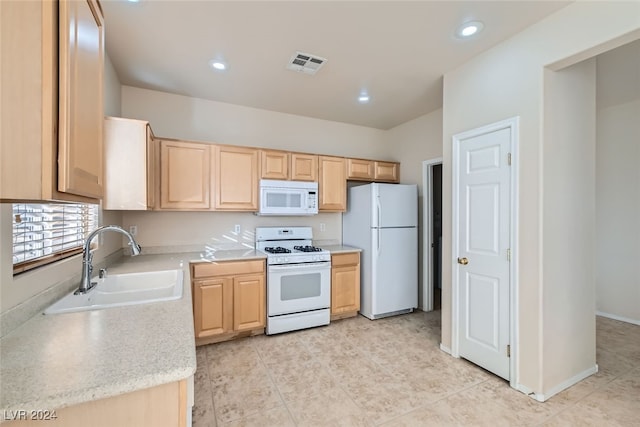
(542,397)
(620,318)
(445,349)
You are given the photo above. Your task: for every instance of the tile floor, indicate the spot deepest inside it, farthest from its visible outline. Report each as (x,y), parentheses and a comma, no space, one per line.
(390,372)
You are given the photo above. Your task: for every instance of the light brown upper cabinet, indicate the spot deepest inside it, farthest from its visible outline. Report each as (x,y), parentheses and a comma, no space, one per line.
(360,170)
(185,175)
(274,164)
(373,170)
(386,171)
(236,178)
(129,148)
(81,62)
(332,184)
(33,91)
(304,167)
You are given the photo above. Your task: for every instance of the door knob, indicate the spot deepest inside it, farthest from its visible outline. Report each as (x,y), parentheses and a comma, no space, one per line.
(463,261)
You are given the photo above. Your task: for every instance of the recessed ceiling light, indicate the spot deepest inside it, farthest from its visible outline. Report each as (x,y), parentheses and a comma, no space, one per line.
(470,28)
(218,65)
(363,98)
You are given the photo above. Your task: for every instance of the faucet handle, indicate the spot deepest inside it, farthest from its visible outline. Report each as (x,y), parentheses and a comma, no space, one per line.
(102,274)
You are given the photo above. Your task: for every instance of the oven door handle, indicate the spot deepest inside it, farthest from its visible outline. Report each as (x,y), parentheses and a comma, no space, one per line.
(301,266)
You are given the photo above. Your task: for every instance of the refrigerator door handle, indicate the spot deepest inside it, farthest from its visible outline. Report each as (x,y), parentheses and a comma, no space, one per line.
(378,225)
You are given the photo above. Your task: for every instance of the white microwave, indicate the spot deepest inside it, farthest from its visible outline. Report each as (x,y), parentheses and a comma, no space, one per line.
(288,197)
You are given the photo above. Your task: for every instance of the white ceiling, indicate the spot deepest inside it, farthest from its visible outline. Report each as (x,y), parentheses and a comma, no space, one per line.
(397,51)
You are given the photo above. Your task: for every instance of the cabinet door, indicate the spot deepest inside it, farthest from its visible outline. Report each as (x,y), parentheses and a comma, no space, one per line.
(248,302)
(345,283)
(236,178)
(212,306)
(185,171)
(304,167)
(81,59)
(332,184)
(126,163)
(152,171)
(274,164)
(387,171)
(359,169)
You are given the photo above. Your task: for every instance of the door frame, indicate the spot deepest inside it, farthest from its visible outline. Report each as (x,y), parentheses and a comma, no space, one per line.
(427,232)
(513,124)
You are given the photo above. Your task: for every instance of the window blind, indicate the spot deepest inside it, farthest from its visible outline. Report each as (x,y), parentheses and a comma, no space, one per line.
(45,232)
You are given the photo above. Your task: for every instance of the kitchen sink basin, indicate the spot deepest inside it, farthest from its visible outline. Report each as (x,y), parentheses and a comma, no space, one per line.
(119,290)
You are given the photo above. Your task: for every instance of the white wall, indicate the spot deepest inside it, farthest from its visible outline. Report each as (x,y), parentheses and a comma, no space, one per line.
(504,82)
(411,143)
(112,90)
(617,178)
(181,230)
(568,224)
(618,210)
(181,117)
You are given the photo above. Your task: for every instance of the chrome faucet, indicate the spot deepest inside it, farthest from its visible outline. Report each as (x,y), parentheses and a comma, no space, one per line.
(87,256)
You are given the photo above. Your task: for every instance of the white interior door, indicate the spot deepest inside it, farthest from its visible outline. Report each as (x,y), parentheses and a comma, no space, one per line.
(483,203)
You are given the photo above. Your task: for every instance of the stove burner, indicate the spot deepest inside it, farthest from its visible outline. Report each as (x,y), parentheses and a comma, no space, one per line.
(278,250)
(307,249)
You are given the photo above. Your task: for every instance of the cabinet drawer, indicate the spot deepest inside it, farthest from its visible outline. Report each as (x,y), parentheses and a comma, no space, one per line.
(345,259)
(226,268)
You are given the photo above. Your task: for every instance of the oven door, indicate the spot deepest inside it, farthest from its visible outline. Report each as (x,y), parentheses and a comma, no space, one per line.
(293,288)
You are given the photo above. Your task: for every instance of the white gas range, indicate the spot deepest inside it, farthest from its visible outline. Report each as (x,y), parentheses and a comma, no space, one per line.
(298,279)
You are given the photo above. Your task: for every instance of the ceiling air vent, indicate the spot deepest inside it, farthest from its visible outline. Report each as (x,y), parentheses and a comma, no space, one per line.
(305,63)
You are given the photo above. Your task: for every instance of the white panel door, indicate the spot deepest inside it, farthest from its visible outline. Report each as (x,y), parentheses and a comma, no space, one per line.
(483,243)
(394,270)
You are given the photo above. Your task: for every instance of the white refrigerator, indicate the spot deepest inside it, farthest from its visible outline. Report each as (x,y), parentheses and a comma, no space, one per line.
(382,220)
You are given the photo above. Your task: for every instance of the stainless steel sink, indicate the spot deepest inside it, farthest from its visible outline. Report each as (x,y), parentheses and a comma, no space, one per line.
(119,290)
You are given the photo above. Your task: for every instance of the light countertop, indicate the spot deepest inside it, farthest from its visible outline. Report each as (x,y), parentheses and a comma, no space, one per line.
(54,361)
(230,255)
(337,249)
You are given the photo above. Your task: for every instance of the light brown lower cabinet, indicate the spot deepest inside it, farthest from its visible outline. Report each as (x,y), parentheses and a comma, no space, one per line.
(161,406)
(229,300)
(345,285)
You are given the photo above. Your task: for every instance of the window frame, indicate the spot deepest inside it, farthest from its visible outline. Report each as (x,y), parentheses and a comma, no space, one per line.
(90,220)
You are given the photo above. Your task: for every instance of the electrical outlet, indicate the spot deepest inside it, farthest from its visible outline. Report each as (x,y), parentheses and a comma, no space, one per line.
(133,229)
(322,226)
(236,229)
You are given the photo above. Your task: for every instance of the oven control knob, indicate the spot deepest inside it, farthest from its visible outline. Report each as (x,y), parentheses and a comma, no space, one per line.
(316,258)
(286,259)
(279,259)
